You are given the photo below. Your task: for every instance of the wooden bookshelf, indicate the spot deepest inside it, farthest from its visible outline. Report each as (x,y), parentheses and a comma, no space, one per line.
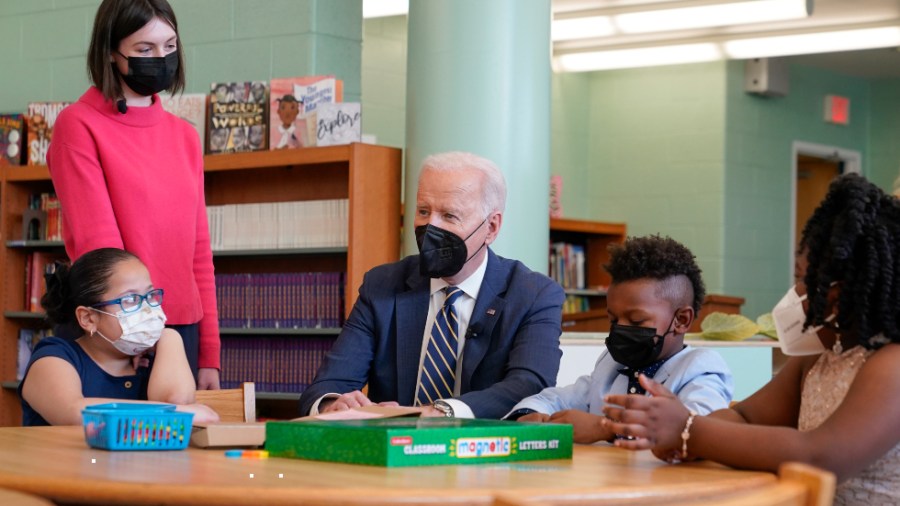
(595,237)
(369,176)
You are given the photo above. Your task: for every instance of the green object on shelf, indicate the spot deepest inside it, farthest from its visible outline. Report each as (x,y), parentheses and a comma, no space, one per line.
(418,441)
(767,325)
(720,326)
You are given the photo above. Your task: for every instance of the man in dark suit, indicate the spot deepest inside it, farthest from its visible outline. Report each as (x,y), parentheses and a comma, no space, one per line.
(497,321)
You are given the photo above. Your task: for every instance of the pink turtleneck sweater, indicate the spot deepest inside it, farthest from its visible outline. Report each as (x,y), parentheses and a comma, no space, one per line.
(135,181)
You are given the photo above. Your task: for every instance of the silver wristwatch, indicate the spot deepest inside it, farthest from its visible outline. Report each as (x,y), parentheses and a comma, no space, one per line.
(443,407)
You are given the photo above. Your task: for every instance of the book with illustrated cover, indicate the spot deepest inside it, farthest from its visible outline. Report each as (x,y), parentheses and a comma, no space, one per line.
(338,123)
(39,120)
(12,133)
(238,117)
(190,107)
(292,105)
(556,184)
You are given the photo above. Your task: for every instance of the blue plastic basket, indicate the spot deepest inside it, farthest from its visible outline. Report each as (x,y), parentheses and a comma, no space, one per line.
(130,426)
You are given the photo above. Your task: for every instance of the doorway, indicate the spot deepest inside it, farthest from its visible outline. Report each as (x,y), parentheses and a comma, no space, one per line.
(814,174)
(814,167)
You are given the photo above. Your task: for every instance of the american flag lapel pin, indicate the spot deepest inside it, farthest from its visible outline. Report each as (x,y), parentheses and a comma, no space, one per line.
(492,311)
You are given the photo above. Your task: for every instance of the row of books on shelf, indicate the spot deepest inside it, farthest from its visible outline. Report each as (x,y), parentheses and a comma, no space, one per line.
(576,304)
(567,265)
(42,220)
(274,225)
(275,364)
(290,112)
(304,300)
(28,338)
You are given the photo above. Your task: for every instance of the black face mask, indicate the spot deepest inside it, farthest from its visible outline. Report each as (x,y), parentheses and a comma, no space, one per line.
(633,346)
(149,74)
(442,253)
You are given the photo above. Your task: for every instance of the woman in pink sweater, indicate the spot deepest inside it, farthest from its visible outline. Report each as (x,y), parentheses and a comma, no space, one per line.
(130,175)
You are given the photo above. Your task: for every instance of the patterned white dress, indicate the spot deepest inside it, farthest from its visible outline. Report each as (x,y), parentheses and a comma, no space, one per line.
(824,389)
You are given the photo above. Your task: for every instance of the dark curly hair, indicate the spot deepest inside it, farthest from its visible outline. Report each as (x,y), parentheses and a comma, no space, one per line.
(853,239)
(82,283)
(660,258)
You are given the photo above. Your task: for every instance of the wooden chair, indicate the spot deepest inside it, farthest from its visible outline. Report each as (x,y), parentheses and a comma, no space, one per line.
(797,485)
(232,405)
(8,496)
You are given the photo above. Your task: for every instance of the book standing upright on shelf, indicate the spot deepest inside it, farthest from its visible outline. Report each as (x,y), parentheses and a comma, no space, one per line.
(39,122)
(36,266)
(190,107)
(12,134)
(238,117)
(293,102)
(338,123)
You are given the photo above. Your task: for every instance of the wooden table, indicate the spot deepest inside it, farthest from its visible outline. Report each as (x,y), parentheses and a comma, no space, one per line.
(55,462)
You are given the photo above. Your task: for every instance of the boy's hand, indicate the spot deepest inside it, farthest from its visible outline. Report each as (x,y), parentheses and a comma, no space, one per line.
(534,417)
(586,428)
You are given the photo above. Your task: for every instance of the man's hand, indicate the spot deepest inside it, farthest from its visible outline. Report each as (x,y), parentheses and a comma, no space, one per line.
(207,378)
(534,417)
(346,401)
(431,411)
(586,427)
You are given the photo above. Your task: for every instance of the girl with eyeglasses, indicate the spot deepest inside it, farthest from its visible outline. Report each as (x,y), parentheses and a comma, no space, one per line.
(123,350)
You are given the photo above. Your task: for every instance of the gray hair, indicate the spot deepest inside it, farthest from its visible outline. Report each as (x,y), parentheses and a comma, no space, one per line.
(493,194)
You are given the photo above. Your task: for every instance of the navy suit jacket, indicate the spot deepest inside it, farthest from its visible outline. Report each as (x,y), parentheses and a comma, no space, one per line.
(512,343)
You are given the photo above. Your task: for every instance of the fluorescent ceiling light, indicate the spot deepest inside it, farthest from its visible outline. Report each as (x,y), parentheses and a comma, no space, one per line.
(711,15)
(637,57)
(382,8)
(809,43)
(581,28)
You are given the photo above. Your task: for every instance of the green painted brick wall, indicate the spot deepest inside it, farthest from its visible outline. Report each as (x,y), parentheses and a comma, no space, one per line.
(655,157)
(45,43)
(760,133)
(384,79)
(884,134)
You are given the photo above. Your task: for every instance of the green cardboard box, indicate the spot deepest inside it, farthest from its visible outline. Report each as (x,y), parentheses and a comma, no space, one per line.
(418,441)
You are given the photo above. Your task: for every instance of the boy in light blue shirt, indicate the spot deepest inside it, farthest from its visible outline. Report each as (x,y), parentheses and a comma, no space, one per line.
(655,294)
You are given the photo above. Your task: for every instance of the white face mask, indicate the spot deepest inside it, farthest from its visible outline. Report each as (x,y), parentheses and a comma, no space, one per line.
(141,329)
(789,317)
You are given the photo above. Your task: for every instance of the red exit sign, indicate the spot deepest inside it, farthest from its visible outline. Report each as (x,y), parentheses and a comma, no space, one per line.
(837,109)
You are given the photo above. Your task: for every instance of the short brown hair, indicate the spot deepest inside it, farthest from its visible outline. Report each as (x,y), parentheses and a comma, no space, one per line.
(115,20)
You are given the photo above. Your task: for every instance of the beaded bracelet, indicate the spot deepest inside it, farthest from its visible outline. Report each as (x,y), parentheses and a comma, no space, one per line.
(686,434)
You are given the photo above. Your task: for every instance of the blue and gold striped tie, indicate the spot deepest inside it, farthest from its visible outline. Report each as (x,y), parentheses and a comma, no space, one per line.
(439,367)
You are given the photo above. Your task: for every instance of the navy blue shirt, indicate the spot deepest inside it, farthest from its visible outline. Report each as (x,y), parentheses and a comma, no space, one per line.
(95,382)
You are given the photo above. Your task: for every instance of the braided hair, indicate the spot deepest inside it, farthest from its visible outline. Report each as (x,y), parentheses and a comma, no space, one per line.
(663,259)
(853,239)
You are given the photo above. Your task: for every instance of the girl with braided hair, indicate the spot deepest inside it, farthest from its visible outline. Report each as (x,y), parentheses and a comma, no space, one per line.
(835,402)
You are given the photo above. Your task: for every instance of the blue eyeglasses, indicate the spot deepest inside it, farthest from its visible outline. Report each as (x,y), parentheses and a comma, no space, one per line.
(132,302)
